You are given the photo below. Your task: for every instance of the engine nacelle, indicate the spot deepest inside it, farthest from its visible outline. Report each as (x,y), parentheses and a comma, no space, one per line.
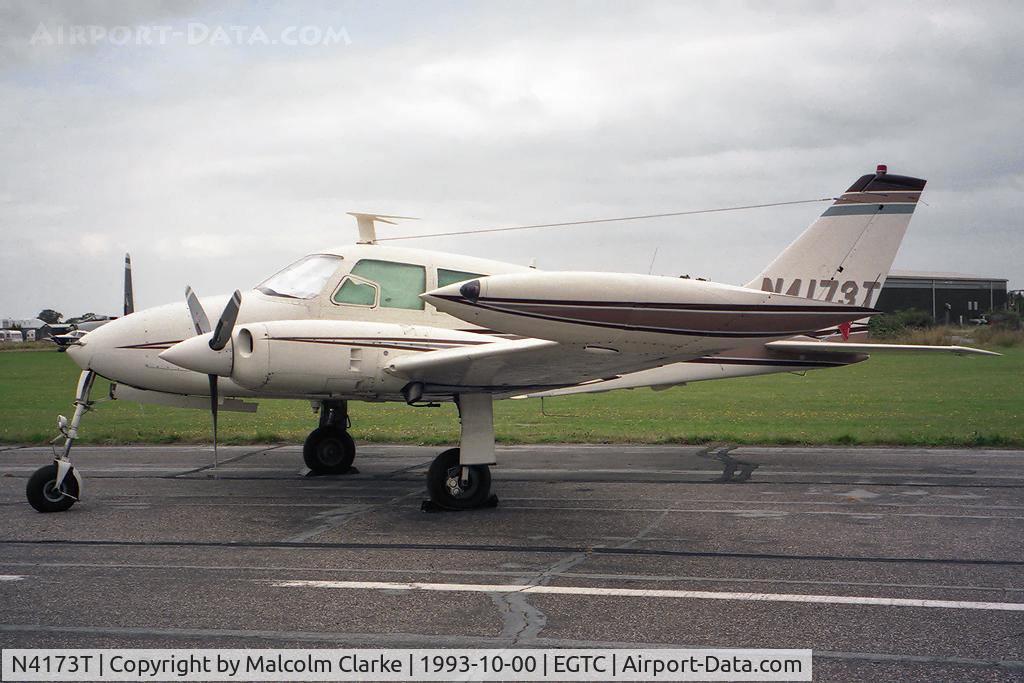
(645,313)
(336,357)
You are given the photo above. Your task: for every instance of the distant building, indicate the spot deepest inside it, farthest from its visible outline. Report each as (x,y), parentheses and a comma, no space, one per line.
(27,329)
(35,328)
(949,297)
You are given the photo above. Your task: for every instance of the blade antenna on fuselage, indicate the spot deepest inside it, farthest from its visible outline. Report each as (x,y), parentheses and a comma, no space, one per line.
(367,224)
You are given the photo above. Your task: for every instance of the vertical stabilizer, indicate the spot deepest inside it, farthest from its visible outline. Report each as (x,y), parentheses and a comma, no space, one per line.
(846,254)
(129,294)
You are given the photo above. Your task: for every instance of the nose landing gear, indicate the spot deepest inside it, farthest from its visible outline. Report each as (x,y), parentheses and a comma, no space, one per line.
(329,449)
(46,495)
(56,487)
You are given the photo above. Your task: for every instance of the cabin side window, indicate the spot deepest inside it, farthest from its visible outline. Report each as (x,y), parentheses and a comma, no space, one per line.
(355,292)
(447,277)
(400,284)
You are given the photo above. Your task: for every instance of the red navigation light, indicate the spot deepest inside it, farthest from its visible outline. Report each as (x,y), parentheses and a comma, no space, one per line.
(882,169)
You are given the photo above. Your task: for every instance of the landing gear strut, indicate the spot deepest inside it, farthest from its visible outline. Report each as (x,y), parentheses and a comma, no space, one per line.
(56,487)
(329,449)
(460,478)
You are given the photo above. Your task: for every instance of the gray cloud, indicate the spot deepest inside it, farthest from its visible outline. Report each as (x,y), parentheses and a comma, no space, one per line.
(215,165)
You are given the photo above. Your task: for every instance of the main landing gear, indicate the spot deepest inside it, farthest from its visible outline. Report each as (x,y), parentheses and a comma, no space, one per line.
(329,449)
(460,478)
(58,486)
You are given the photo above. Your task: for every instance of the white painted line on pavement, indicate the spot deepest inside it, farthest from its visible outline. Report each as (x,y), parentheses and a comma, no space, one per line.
(651,593)
(916,475)
(11,577)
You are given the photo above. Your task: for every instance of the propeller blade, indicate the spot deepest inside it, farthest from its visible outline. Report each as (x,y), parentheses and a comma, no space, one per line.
(129,296)
(195,309)
(214,400)
(222,335)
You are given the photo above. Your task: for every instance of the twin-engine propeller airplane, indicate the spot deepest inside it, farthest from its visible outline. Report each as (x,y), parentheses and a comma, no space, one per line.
(373,323)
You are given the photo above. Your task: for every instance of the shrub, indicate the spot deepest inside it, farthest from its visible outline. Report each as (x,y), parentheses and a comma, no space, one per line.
(915,317)
(885,326)
(891,325)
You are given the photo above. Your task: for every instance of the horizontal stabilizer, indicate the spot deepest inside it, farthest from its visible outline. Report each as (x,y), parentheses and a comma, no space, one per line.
(846,347)
(780,358)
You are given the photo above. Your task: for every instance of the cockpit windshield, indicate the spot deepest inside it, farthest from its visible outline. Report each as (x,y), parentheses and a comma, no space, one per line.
(304,279)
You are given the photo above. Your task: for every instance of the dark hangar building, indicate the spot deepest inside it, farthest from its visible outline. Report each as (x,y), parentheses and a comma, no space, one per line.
(961,296)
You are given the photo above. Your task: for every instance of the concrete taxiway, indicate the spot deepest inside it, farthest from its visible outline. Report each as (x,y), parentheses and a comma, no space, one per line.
(891,564)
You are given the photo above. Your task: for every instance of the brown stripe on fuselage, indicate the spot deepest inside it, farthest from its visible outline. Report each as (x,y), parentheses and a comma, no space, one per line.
(161,345)
(779,362)
(394,343)
(723,308)
(490,333)
(425,340)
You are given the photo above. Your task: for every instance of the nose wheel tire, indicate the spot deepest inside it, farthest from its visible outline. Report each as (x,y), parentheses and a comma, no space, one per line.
(447,487)
(43,494)
(329,450)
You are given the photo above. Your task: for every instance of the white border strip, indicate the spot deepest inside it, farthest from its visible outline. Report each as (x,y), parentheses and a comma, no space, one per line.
(651,593)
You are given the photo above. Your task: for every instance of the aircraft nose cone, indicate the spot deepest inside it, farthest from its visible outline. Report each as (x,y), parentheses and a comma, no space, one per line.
(195,354)
(80,353)
(470,291)
(445,297)
(96,346)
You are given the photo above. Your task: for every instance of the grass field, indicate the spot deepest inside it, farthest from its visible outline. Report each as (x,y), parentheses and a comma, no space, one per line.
(890,399)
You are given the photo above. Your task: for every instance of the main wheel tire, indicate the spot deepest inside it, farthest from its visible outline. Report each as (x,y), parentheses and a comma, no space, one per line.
(43,494)
(446,489)
(329,450)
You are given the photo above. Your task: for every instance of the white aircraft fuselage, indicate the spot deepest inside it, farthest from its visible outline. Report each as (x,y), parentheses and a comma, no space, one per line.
(318,343)
(376,323)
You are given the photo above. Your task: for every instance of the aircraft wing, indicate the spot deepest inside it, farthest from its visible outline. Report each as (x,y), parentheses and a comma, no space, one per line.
(518,365)
(850,347)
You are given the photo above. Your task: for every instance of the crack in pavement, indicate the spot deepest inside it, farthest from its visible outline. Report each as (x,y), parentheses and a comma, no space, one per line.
(339,516)
(523,622)
(404,470)
(226,462)
(646,531)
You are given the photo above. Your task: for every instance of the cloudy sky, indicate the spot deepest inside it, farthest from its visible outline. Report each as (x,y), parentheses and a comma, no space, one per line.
(183,134)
